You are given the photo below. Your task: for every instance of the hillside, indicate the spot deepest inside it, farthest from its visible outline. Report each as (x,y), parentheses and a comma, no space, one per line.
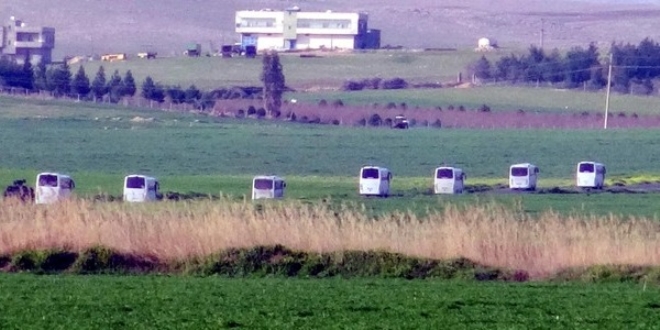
(93,26)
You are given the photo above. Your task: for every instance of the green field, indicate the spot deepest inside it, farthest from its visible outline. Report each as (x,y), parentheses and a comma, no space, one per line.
(106,302)
(330,68)
(100,144)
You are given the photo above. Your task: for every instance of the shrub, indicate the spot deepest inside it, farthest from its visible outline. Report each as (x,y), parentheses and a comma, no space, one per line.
(323,103)
(375,120)
(291,116)
(461,108)
(361,122)
(396,83)
(622,115)
(390,105)
(251,110)
(314,120)
(450,107)
(403,106)
(276,114)
(373,83)
(585,114)
(484,108)
(634,115)
(337,103)
(261,112)
(240,113)
(303,119)
(521,111)
(437,123)
(335,122)
(438,108)
(351,85)
(387,122)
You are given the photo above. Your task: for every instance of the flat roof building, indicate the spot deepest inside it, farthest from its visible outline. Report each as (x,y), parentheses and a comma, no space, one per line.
(19,41)
(295,29)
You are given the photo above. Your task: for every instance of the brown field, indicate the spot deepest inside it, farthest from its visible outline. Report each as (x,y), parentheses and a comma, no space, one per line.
(469,118)
(486,234)
(95,27)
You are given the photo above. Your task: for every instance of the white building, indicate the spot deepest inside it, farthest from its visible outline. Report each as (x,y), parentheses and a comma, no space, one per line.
(295,29)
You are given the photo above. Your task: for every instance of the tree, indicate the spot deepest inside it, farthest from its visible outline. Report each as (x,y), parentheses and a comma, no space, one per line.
(482,68)
(578,64)
(40,80)
(60,80)
(274,83)
(129,84)
(99,87)
(148,88)
(553,68)
(80,84)
(27,74)
(192,94)
(176,94)
(115,87)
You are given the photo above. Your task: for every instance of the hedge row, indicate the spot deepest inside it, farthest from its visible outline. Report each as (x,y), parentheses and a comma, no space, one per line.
(256,262)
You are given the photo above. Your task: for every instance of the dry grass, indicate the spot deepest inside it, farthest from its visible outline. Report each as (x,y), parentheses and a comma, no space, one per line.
(487,234)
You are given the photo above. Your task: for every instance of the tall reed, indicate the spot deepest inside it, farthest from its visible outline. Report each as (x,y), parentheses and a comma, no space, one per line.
(489,234)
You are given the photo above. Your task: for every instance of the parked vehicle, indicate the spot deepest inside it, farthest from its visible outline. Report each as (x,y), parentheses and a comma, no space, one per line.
(448,180)
(140,188)
(523,176)
(590,175)
(52,187)
(375,181)
(268,187)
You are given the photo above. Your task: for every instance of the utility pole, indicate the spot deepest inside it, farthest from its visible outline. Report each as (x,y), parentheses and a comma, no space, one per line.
(607,95)
(542,31)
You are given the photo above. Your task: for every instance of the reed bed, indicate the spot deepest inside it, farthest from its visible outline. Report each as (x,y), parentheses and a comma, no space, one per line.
(489,234)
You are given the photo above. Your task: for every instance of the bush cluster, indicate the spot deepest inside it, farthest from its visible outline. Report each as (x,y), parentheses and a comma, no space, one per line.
(374,83)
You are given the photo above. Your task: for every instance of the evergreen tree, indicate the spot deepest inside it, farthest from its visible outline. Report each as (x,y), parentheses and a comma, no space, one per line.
(176,94)
(274,82)
(40,79)
(482,68)
(553,68)
(192,94)
(115,87)
(27,74)
(80,83)
(148,88)
(129,84)
(99,87)
(60,80)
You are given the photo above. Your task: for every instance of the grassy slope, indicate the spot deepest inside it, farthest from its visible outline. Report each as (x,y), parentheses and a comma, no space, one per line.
(194,303)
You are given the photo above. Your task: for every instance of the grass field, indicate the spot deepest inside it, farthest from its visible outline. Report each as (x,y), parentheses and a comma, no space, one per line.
(327,69)
(93,302)
(100,144)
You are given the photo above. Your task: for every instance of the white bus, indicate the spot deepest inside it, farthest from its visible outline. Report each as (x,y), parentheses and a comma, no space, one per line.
(268,187)
(140,188)
(52,187)
(375,181)
(590,175)
(448,180)
(523,176)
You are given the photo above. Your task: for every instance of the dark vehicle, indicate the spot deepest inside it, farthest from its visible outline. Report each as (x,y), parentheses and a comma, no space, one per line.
(400,122)
(251,51)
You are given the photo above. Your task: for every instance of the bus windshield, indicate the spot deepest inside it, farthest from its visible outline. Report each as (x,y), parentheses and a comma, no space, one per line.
(48,180)
(370,173)
(263,184)
(519,171)
(445,173)
(135,182)
(586,168)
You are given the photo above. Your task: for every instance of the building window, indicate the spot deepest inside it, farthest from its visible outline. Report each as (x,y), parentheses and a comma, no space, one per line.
(341,24)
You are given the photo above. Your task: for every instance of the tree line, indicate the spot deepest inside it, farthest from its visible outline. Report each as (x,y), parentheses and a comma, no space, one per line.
(633,67)
(58,80)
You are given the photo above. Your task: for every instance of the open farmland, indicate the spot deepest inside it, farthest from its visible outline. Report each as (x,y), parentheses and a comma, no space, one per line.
(200,303)
(326,70)
(208,155)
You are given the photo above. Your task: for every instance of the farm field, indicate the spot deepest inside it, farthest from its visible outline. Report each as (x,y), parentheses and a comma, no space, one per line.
(209,155)
(327,69)
(104,302)
(498,98)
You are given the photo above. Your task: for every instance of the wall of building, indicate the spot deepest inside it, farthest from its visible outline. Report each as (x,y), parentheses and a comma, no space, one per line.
(270,42)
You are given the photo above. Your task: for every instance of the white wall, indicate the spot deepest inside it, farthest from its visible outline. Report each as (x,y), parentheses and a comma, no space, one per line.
(330,42)
(275,41)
